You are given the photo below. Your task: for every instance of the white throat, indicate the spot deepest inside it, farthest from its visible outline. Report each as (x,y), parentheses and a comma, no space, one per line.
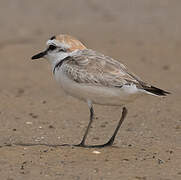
(54,58)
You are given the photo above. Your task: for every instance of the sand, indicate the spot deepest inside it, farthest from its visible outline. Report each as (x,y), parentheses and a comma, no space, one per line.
(144,35)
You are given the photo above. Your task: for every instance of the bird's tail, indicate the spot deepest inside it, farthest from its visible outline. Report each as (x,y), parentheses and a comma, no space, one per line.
(155,91)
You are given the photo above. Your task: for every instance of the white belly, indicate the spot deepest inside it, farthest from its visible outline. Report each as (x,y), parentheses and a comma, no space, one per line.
(98,95)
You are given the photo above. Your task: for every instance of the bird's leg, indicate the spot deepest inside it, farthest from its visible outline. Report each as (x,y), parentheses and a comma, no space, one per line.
(82,143)
(111,140)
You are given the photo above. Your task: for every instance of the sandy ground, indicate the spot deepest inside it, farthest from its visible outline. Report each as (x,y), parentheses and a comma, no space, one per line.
(145,35)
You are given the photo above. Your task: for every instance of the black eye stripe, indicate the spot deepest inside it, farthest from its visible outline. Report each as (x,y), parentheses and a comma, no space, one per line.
(52,47)
(63,50)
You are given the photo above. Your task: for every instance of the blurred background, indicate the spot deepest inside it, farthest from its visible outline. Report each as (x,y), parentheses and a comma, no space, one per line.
(140,33)
(143,34)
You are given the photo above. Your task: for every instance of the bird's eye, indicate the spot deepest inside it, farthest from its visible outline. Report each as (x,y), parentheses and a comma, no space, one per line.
(52,47)
(62,50)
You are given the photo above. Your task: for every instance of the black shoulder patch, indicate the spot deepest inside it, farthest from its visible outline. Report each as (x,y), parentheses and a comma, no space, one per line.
(53,37)
(59,64)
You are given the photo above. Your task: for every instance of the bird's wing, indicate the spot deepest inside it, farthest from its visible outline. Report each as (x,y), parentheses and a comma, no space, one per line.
(90,67)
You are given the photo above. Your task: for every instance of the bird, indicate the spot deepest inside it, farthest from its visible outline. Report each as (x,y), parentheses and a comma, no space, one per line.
(94,78)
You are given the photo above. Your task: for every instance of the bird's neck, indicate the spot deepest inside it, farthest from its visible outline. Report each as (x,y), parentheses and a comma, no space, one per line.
(57,58)
(53,60)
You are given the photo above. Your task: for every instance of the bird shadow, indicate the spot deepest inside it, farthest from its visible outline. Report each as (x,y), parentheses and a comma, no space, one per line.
(59,145)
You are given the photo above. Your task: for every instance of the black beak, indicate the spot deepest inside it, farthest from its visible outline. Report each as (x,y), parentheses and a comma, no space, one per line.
(39,55)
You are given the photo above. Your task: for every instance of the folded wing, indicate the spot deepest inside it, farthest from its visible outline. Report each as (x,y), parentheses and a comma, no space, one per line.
(92,68)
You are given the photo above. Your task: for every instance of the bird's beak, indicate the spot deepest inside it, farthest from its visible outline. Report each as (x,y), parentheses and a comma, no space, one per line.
(39,55)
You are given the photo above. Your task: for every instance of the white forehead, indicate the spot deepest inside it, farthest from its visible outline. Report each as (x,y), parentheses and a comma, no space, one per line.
(58,44)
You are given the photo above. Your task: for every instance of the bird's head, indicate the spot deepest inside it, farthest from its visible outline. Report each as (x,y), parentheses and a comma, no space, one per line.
(59,47)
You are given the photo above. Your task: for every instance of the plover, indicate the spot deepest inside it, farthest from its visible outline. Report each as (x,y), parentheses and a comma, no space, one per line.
(94,78)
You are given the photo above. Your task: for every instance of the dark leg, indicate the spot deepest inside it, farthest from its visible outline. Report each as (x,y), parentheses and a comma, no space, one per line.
(82,143)
(111,140)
